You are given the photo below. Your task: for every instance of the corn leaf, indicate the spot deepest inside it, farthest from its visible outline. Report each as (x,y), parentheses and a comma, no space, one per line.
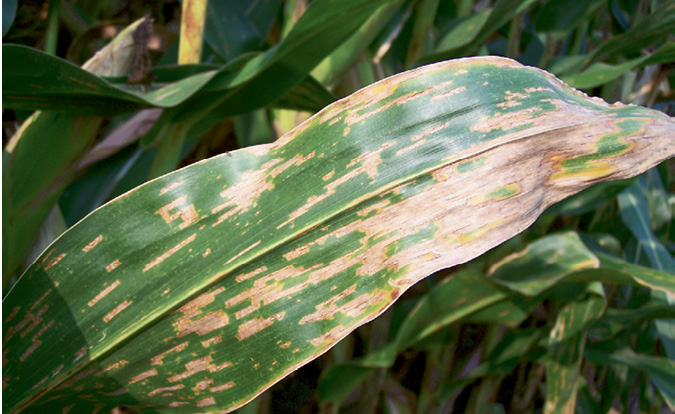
(202,288)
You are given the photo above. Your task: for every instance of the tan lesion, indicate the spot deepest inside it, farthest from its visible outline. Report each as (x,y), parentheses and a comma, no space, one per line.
(255,325)
(143,375)
(199,365)
(104,293)
(116,310)
(92,243)
(186,212)
(159,358)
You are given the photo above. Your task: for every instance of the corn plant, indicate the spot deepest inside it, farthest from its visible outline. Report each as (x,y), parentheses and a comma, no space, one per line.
(138,272)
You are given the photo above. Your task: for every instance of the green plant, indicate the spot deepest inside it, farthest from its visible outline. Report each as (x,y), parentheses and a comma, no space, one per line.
(201,288)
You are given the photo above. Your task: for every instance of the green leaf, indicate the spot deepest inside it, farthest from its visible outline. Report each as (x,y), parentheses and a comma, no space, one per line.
(37,80)
(461,31)
(36,170)
(654,28)
(424,14)
(501,12)
(229,30)
(635,216)
(660,370)
(330,69)
(206,286)
(601,73)
(514,347)
(319,31)
(562,16)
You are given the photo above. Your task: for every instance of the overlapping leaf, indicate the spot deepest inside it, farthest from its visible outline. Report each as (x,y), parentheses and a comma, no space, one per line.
(207,285)
(36,80)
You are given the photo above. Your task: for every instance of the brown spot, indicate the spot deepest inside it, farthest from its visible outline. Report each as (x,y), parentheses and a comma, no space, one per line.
(509,104)
(506,121)
(213,340)
(30,350)
(116,365)
(169,252)
(143,375)
(36,386)
(297,160)
(538,89)
(40,299)
(353,117)
(222,387)
(185,325)
(113,265)
(55,261)
(329,175)
(327,309)
(245,312)
(199,365)
(515,95)
(187,213)
(92,243)
(42,330)
(80,353)
(448,94)
(104,292)
(353,308)
(170,187)
(207,252)
(201,386)
(116,311)
(57,370)
(369,162)
(157,359)
(204,325)
(242,196)
(256,325)
(206,402)
(46,256)
(294,254)
(329,337)
(164,389)
(245,276)
(13,313)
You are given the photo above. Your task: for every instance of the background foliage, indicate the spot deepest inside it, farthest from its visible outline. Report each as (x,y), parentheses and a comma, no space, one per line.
(503,350)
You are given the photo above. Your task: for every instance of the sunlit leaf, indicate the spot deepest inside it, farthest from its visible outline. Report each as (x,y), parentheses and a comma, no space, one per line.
(208,285)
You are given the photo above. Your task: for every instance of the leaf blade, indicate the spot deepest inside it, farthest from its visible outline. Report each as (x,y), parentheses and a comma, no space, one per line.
(304,211)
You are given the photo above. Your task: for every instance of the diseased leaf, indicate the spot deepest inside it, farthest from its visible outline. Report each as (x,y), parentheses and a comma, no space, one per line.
(206,286)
